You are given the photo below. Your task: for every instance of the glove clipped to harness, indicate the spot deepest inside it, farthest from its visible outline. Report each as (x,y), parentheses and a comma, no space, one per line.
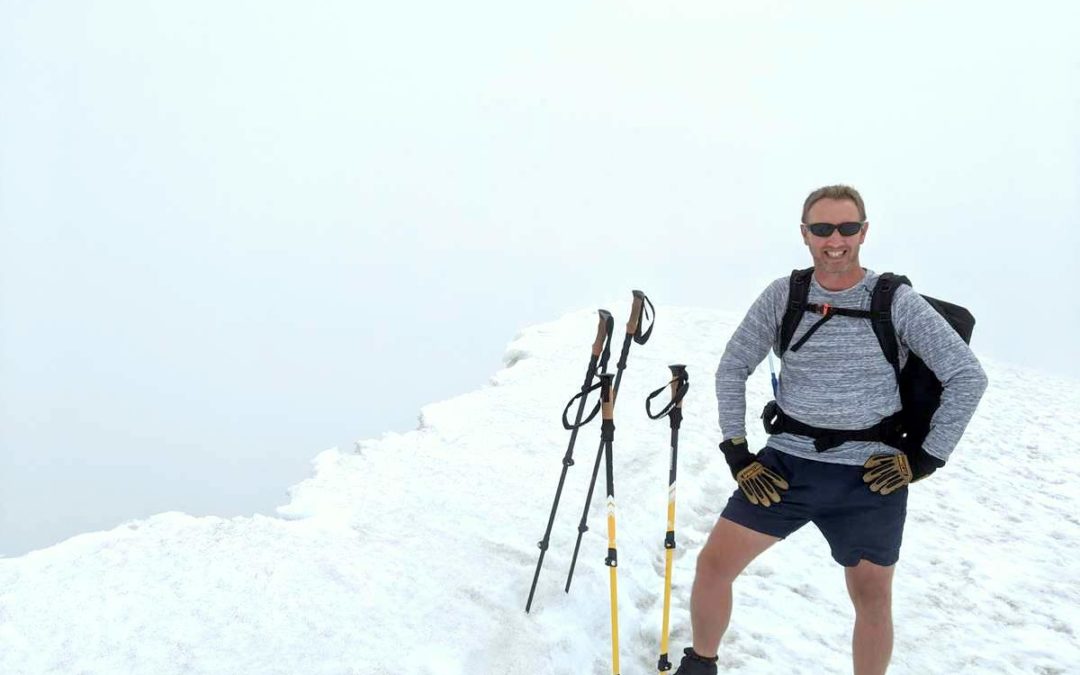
(760,485)
(886,474)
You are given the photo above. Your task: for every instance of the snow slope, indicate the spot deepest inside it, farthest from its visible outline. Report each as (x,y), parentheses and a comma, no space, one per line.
(413,553)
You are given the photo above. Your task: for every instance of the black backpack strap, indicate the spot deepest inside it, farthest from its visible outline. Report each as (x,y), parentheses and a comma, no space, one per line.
(881,316)
(827,312)
(806,336)
(798,292)
(839,311)
(776,421)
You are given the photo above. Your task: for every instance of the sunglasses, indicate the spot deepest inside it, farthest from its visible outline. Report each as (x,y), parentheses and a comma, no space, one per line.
(826,229)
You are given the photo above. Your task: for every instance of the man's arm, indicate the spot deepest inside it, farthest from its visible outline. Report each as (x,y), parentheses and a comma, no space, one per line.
(749,344)
(929,335)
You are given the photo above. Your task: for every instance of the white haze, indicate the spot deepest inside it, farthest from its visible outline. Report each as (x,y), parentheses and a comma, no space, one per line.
(236,234)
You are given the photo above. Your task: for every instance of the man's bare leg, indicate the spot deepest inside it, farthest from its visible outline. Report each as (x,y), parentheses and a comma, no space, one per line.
(870,588)
(728,551)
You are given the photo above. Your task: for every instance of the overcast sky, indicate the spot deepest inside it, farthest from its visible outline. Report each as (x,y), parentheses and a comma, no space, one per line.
(235,234)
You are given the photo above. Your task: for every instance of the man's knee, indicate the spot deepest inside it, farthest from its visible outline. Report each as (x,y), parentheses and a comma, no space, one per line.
(870,588)
(872,601)
(715,565)
(729,550)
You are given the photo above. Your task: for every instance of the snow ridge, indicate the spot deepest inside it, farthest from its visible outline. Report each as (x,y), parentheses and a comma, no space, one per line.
(413,553)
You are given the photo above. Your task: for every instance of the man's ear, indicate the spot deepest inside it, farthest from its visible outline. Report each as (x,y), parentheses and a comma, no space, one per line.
(805,234)
(865,229)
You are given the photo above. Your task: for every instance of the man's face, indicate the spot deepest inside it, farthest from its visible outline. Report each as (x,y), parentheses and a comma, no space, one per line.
(834,254)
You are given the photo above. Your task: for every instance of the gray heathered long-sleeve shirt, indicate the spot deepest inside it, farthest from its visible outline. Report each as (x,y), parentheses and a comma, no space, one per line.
(839,379)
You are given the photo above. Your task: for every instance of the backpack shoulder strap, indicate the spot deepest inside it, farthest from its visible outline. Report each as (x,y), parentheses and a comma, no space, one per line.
(881,316)
(798,292)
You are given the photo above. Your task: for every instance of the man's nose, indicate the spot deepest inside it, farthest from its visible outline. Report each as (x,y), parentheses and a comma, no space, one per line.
(835,239)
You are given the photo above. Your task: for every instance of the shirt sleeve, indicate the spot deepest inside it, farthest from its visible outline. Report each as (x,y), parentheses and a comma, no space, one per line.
(748,346)
(930,337)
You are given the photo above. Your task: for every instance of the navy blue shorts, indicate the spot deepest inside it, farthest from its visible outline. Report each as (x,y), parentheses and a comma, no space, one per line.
(857,523)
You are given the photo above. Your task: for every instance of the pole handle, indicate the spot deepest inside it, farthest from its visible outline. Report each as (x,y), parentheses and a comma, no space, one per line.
(642,307)
(607,401)
(604,326)
(678,372)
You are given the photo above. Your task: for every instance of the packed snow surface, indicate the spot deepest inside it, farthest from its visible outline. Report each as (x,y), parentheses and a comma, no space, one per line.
(413,553)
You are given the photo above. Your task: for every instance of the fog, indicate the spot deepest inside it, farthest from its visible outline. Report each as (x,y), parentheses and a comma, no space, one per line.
(235,234)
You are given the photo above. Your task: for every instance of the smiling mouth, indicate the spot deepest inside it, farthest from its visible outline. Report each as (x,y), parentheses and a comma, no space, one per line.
(835,254)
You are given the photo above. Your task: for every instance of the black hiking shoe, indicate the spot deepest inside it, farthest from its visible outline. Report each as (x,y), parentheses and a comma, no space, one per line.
(693,664)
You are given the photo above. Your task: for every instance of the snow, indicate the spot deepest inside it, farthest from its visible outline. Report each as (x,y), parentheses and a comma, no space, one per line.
(413,553)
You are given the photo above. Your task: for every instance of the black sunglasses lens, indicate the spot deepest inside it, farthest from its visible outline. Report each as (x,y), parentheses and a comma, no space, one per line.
(826,229)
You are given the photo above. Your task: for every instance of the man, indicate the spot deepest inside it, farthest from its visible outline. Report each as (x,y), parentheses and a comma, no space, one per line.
(837,379)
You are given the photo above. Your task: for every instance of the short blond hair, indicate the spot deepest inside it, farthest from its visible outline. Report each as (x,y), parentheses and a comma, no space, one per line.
(834,192)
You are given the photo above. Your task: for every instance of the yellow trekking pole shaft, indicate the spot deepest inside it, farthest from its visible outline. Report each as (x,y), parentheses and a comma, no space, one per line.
(679,384)
(664,664)
(607,436)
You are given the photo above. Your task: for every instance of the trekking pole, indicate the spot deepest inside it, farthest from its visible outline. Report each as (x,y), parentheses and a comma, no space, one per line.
(679,384)
(607,439)
(601,351)
(633,334)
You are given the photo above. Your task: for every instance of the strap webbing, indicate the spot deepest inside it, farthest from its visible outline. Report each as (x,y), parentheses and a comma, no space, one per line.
(842,311)
(679,393)
(778,422)
(798,291)
(881,316)
(585,391)
(804,338)
(827,312)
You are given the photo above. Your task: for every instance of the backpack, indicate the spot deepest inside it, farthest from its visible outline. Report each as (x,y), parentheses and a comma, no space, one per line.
(920,388)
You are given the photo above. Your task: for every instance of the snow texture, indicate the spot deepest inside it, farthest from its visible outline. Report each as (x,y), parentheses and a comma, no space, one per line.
(413,553)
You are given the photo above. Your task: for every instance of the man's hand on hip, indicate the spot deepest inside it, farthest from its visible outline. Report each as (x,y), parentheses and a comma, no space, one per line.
(886,474)
(760,485)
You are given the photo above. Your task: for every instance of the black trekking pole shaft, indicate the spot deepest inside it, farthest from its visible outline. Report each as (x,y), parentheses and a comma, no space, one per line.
(633,327)
(603,336)
(583,526)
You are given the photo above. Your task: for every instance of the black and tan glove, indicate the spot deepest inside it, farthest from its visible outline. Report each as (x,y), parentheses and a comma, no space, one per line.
(886,474)
(760,484)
